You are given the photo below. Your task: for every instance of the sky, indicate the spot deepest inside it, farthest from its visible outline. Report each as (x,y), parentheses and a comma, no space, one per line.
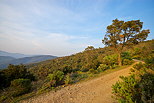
(65,27)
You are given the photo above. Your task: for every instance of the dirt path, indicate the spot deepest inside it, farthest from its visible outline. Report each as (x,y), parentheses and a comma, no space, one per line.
(97,90)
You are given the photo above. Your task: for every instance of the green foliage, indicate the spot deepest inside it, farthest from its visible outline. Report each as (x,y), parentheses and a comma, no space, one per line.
(20,86)
(79,62)
(52,80)
(126,91)
(127,62)
(2,98)
(143,50)
(46,86)
(121,34)
(139,66)
(79,66)
(92,71)
(147,88)
(138,87)
(126,58)
(56,78)
(67,69)
(110,60)
(14,72)
(59,75)
(67,80)
(126,55)
(89,48)
(136,53)
(102,67)
(75,77)
(150,62)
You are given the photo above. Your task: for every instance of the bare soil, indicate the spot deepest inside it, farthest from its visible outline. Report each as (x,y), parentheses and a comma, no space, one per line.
(97,90)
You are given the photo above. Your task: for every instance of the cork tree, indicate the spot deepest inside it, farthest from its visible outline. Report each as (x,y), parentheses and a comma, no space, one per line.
(121,34)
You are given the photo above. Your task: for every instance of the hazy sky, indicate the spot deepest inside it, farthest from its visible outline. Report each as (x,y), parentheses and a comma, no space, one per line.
(64,27)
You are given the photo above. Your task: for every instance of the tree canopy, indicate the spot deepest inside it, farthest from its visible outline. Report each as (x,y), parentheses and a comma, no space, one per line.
(120,34)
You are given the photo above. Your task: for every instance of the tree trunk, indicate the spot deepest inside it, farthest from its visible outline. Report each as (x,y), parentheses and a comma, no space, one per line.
(119,59)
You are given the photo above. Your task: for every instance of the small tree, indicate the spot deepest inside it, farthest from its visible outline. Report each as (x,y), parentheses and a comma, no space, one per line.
(20,86)
(89,48)
(120,34)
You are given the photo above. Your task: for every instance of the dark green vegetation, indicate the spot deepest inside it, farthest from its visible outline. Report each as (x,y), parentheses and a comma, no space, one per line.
(20,86)
(6,60)
(44,76)
(121,34)
(138,87)
(126,38)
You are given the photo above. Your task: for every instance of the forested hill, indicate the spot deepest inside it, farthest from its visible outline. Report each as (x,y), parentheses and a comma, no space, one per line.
(6,60)
(37,78)
(91,58)
(14,55)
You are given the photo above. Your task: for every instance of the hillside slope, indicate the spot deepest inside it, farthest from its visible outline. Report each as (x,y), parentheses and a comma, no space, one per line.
(97,90)
(14,55)
(5,61)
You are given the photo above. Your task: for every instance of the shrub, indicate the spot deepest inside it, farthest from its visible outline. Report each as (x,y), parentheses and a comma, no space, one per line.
(46,86)
(150,62)
(110,60)
(75,77)
(126,58)
(2,98)
(67,80)
(102,67)
(137,53)
(56,78)
(20,86)
(14,72)
(139,66)
(138,87)
(126,55)
(127,62)
(126,91)
(52,81)
(92,71)
(147,88)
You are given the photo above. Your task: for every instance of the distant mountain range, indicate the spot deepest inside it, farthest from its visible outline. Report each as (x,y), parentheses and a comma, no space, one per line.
(14,55)
(7,58)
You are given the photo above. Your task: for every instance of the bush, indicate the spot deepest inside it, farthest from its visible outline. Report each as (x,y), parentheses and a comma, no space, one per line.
(67,80)
(138,87)
(92,71)
(110,60)
(150,62)
(139,66)
(75,77)
(147,88)
(102,67)
(2,98)
(126,58)
(20,86)
(126,91)
(127,62)
(126,55)
(56,78)
(14,72)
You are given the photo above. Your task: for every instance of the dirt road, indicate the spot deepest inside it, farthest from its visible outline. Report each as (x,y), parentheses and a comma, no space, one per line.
(97,90)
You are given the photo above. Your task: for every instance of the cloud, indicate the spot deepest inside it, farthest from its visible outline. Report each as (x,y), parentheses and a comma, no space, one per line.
(47,27)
